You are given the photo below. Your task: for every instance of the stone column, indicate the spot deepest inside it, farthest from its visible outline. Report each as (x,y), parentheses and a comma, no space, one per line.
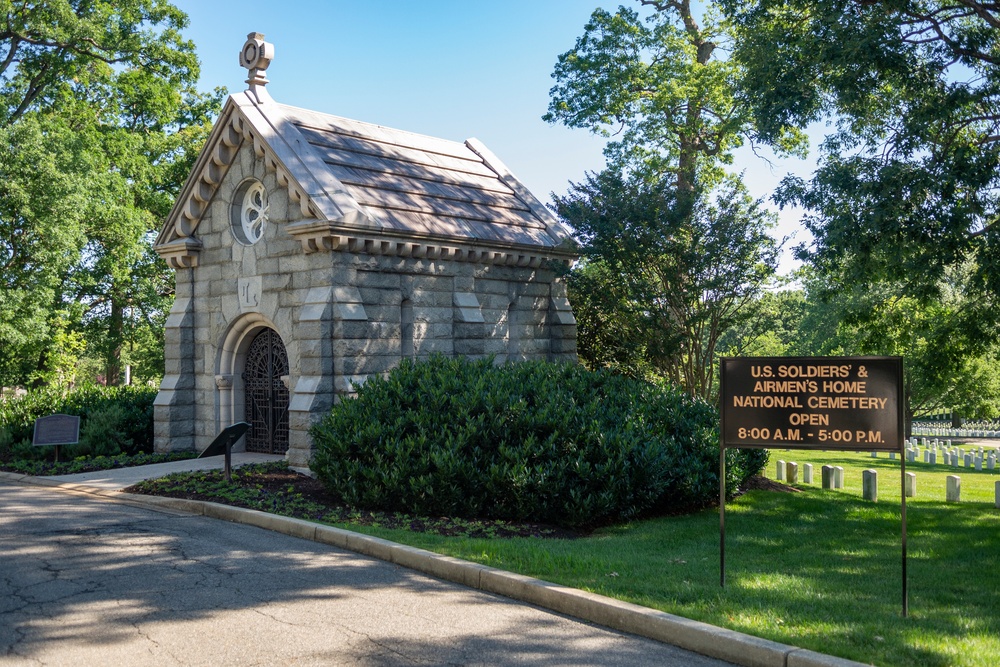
(310,383)
(174,408)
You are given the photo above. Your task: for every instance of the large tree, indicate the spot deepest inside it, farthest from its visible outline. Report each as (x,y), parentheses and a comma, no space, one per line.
(679,276)
(673,244)
(100,94)
(655,87)
(908,183)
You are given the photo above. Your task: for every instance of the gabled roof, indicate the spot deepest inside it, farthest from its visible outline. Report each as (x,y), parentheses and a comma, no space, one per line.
(367,188)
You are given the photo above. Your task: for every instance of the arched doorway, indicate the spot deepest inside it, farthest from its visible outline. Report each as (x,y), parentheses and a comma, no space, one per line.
(265,394)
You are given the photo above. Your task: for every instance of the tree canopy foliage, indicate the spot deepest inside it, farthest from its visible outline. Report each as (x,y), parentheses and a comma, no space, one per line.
(946,370)
(675,248)
(908,184)
(99,123)
(652,85)
(681,278)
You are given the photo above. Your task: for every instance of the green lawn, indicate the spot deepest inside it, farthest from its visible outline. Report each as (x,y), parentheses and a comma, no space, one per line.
(817,569)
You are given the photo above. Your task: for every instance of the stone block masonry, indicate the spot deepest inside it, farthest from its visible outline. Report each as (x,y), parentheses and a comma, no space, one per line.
(285,233)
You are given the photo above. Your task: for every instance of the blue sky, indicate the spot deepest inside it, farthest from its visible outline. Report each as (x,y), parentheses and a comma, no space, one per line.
(448,68)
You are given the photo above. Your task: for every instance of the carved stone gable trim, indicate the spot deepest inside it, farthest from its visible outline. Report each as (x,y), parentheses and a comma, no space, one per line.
(177,245)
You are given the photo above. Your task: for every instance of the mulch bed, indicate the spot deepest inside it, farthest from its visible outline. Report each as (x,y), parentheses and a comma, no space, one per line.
(275,483)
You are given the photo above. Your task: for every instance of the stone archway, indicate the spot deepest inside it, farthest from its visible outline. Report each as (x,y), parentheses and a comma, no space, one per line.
(265,393)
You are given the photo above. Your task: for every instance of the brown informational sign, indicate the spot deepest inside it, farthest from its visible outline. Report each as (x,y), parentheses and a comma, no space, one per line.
(833,403)
(56,430)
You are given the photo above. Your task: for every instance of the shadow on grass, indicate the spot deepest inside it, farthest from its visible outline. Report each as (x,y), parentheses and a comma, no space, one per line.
(833,563)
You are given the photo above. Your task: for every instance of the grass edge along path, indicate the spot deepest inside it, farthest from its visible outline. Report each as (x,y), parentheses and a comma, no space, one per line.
(817,569)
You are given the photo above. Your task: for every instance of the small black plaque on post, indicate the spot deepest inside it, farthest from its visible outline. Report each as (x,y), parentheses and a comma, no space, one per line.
(56,430)
(223,444)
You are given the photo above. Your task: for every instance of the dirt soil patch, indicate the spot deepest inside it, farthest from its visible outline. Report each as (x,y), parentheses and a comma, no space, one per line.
(759,483)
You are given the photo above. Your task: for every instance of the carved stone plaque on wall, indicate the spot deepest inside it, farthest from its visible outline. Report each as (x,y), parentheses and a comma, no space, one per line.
(249,293)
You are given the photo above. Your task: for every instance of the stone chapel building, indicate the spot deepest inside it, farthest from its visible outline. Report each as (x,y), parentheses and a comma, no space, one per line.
(312,252)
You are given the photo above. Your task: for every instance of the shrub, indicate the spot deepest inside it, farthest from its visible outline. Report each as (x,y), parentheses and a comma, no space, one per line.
(110,418)
(553,443)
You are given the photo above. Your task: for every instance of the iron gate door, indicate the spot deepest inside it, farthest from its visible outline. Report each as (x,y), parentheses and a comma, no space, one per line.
(266,397)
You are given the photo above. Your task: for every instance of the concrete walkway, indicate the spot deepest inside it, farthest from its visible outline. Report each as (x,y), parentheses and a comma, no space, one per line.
(120,478)
(699,638)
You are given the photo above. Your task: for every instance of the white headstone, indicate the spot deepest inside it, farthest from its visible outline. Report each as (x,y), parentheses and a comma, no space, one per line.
(807,473)
(827,474)
(792,472)
(869,485)
(910,484)
(953,493)
(780,471)
(838,477)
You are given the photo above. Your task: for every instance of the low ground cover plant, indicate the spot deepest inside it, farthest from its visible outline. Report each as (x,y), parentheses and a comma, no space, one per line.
(536,441)
(113,420)
(82,464)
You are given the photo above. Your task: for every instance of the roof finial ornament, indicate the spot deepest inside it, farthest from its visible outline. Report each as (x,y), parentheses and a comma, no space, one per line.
(256,56)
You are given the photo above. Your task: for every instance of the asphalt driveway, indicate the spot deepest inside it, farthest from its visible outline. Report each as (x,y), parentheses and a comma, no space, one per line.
(89,581)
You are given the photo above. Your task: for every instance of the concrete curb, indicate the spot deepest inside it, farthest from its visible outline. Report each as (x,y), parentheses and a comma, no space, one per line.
(729,645)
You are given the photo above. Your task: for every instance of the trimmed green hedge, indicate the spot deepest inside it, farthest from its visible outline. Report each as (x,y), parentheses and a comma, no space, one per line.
(552,443)
(112,420)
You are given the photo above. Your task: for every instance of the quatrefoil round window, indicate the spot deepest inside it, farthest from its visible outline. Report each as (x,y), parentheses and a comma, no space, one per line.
(250,212)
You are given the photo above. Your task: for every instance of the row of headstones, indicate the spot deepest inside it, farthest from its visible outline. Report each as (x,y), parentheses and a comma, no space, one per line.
(961,432)
(833,478)
(949,455)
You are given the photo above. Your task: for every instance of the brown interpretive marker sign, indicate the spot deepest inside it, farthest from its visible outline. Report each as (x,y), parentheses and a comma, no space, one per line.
(833,403)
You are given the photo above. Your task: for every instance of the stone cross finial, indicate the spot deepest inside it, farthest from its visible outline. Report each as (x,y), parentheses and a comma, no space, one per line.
(256,56)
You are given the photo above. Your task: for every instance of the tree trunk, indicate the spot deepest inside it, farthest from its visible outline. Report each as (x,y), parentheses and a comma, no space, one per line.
(113,365)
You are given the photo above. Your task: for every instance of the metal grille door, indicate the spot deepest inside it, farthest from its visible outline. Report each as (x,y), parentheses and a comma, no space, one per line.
(266,395)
